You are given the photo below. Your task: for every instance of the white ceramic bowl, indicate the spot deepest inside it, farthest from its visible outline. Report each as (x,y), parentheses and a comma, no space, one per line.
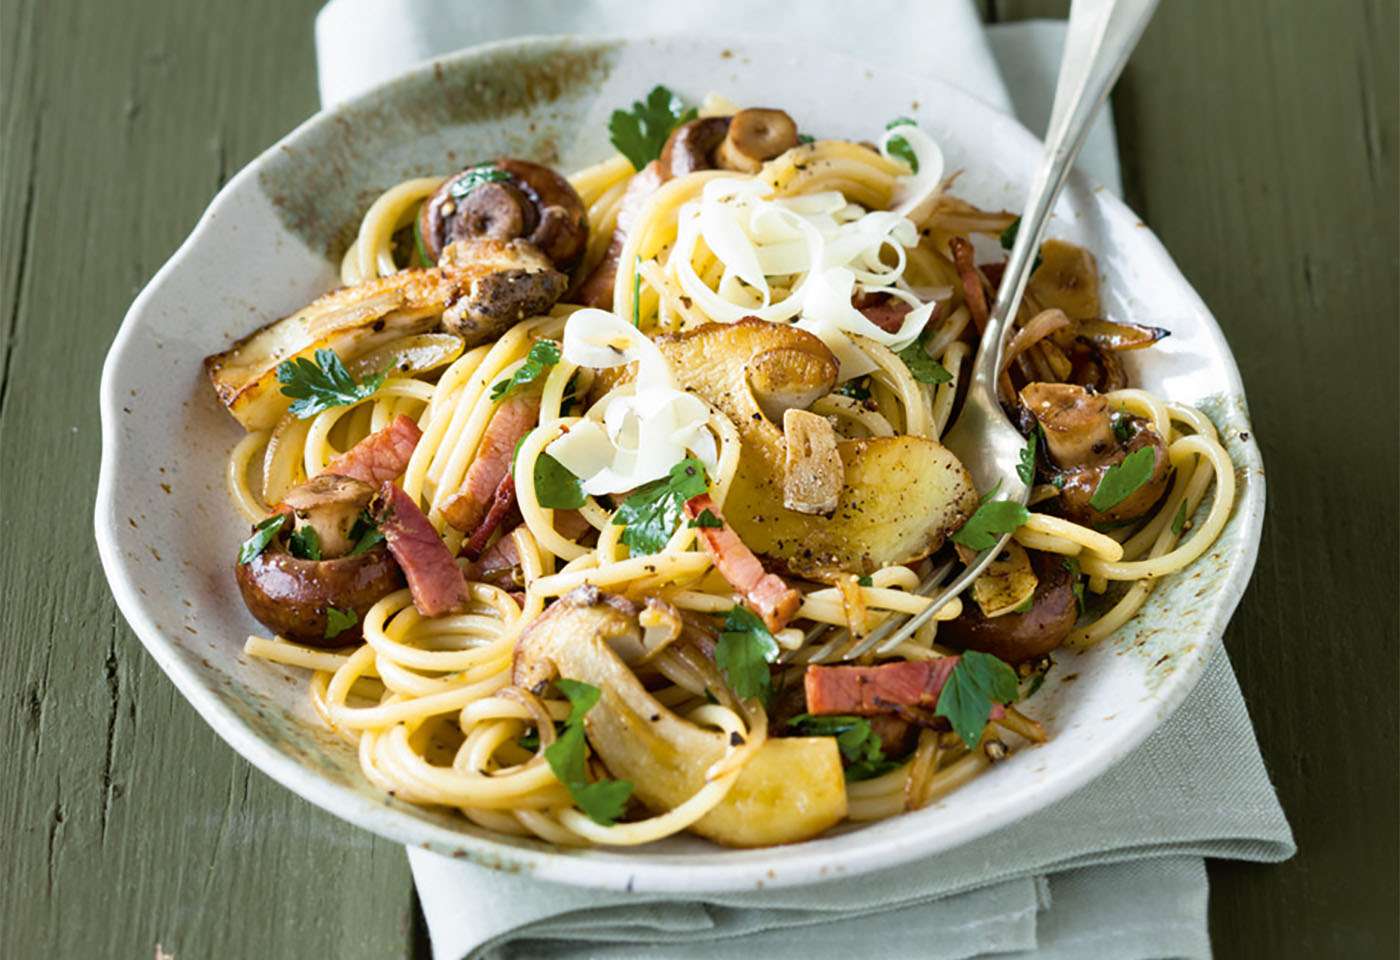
(269,243)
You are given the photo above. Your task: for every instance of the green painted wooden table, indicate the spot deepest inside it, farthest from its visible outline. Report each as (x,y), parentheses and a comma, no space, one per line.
(1258,141)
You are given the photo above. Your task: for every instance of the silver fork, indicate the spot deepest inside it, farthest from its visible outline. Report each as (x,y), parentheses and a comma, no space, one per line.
(1101,35)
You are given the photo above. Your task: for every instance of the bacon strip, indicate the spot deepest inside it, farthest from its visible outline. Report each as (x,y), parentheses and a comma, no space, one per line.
(434,578)
(380,457)
(973,290)
(500,506)
(884,311)
(767,593)
(870,691)
(516,416)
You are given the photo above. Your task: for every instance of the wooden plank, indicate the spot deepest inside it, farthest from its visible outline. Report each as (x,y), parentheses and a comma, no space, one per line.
(134,827)
(1259,141)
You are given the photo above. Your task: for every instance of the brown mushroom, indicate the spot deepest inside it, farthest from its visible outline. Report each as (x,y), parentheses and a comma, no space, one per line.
(507,200)
(291,596)
(1083,444)
(505,282)
(691,146)
(813,475)
(756,136)
(1015,637)
(330,505)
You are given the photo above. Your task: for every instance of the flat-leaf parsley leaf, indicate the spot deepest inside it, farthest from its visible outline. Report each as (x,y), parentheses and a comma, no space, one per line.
(262,536)
(1179,524)
(475,177)
(1122,479)
(639,134)
(555,487)
(543,355)
(924,368)
(338,621)
(1026,469)
(603,801)
(323,383)
(653,510)
(899,147)
(1008,240)
(706,519)
(989,522)
(744,650)
(978,681)
(858,743)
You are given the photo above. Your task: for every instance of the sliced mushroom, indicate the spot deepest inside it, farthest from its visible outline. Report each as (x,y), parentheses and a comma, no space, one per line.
(506,281)
(1078,430)
(330,505)
(1006,583)
(812,475)
(756,136)
(507,200)
(1067,278)
(1083,446)
(791,789)
(900,496)
(791,377)
(1015,637)
(291,596)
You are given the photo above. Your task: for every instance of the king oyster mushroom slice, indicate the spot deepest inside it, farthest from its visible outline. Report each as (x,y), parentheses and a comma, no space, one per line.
(792,789)
(900,496)
(813,472)
(487,285)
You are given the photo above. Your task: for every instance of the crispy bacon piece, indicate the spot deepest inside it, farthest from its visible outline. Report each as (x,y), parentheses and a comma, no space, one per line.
(498,563)
(380,457)
(884,311)
(434,578)
(500,507)
(767,593)
(973,290)
(870,691)
(515,417)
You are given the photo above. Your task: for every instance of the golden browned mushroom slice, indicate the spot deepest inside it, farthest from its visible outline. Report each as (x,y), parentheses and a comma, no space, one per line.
(506,281)
(813,474)
(791,790)
(756,136)
(1006,583)
(900,496)
(496,282)
(1067,278)
(1078,431)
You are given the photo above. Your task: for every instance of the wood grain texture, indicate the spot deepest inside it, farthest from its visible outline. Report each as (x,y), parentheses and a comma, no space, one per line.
(134,825)
(1258,140)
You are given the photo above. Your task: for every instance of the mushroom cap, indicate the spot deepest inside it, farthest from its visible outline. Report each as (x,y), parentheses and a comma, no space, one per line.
(505,281)
(691,146)
(756,136)
(526,201)
(1015,637)
(290,596)
(329,504)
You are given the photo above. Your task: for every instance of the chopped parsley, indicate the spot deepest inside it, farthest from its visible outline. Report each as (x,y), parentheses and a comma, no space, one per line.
(305,544)
(744,650)
(1036,681)
(1122,427)
(555,487)
(1008,240)
(1025,606)
(262,536)
(857,389)
(865,581)
(603,801)
(859,745)
(1072,565)
(805,138)
(543,355)
(924,368)
(706,519)
(323,383)
(475,177)
(991,520)
(899,147)
(1121,480)
(653,510)
(637,292)
(1179,524)
(640,133)
(978,681)
(1026,469)
(365,533)
(529,741)
(338,621)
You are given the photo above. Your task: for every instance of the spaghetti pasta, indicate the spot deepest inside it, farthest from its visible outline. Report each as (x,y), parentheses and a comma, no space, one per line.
(581,511)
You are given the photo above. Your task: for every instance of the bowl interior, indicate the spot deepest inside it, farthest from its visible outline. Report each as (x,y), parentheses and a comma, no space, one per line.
(269,243)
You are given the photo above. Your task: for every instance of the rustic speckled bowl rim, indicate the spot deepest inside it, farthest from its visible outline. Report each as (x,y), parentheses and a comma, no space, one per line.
(697,866)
